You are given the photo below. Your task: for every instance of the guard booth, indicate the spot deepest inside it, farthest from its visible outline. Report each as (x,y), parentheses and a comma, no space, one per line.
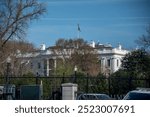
(69,91)
(31,92)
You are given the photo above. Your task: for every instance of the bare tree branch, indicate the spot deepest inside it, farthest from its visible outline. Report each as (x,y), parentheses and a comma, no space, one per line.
(77,52)
(15,16)
(144,40)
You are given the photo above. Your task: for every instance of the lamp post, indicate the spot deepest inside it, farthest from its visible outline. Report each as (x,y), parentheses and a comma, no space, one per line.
(8,61)
(8,64)
(75,74)
(37,77)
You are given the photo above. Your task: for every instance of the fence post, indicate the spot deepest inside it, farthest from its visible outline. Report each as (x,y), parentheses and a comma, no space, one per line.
(63,80)
(109,86)
(87,83)
(130,83)
(148,83)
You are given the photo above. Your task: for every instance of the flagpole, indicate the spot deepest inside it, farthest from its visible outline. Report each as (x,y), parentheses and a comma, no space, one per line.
(78,34)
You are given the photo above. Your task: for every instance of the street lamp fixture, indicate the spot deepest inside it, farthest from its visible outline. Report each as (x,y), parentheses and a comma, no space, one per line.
(75,74)
(8,65)
(75,68)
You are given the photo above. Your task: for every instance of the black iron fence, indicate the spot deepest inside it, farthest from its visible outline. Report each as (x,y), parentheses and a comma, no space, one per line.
(115,87)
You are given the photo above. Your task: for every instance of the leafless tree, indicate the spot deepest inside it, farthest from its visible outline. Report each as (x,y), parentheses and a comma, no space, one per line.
(77,52)
(15,16)
(13,50)
(86,58)
(144,40)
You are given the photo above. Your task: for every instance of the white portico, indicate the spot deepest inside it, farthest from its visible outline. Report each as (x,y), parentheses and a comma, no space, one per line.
(111,59)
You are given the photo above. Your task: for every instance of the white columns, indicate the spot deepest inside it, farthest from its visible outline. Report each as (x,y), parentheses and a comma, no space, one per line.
(55,66)
(113,64)
(103,66)
(47,67)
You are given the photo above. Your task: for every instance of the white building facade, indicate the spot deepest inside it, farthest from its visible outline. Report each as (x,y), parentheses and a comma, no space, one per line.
(44,61)
(41,63)
(111,59)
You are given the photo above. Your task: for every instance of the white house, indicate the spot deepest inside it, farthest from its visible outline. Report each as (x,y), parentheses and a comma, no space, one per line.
(110,58)
(41,62)
(44,61)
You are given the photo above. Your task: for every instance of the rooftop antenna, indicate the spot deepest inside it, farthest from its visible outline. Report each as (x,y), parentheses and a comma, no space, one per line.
(79,30)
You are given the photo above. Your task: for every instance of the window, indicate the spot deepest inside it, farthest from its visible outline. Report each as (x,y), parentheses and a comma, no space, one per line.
(45,64)
(45,72)
(100,62)
(51,64)
(39,65)
(108,62)
(31,65)
(117,62)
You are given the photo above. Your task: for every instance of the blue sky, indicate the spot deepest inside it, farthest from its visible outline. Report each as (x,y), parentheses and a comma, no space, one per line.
(104,21)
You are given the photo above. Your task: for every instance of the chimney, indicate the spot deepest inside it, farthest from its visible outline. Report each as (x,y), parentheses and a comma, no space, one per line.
(119,47)
(92,44)
(42,47)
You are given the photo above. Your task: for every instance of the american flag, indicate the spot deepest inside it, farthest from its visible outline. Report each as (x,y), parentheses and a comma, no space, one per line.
(79,28)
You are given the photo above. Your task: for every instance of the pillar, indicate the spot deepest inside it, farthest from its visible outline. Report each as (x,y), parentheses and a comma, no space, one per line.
(69,91)
(47,67)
